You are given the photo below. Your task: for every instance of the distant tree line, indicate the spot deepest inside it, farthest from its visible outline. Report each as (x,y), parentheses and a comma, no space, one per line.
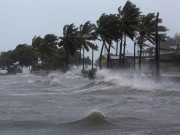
(27,56)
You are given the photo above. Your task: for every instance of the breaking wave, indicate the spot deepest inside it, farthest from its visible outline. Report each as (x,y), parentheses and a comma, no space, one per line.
(97,84)
(56,83)
(36,81)
(94,118)
(133,80)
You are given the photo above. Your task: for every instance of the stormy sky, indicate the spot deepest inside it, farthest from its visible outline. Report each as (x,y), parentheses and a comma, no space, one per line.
(21,20)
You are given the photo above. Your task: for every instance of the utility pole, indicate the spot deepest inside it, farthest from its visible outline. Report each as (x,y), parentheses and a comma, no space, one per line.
(157,51)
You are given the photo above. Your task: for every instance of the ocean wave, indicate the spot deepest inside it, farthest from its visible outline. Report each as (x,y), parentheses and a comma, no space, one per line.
(54,74)
(36,81)
(133,80)
(56,83)
(97,83)
(94,118)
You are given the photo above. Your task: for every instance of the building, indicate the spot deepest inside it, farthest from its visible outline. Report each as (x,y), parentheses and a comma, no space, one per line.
(114,60)
(169,60)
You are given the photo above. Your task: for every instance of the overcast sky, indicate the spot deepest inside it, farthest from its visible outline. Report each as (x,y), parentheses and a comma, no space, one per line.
(21,20)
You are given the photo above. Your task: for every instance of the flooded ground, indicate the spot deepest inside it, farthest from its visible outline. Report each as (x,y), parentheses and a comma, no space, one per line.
(65,104)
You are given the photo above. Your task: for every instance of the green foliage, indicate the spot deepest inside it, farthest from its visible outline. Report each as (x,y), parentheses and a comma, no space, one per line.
(146,27)
(45,49)
(87,33)
(46,45)
(107,28)
(70,41)
(22,54)
(129,17)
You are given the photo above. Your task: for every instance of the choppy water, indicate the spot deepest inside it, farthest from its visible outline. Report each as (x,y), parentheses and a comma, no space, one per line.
(65,104)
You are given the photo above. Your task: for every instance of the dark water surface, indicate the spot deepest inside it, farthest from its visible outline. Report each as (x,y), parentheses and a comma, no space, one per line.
(65,104)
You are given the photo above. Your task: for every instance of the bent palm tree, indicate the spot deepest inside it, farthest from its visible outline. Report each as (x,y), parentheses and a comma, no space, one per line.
(128,17)
(108,31)
(87,34)
(146,30)
(70,41)
(46,46)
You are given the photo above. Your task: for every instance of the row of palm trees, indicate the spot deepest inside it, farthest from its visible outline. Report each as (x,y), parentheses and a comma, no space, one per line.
(127,23)
(72,42)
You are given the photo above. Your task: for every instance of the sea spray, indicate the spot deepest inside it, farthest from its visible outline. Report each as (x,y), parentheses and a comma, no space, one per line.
(133,80)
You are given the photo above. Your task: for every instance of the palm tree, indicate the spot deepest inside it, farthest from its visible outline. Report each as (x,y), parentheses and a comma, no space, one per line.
(108,31)
(144,45)
(101,31)
(134,55)
(87,33)
(128,17)
(146,30)
(114,34)
(46,46)
(36,42)
(70,41)
(117,44)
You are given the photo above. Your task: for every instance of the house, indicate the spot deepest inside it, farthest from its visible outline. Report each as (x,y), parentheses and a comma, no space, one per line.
(114,60)
(169,60)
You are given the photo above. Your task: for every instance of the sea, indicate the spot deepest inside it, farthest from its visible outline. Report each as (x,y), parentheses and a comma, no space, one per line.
(114,103)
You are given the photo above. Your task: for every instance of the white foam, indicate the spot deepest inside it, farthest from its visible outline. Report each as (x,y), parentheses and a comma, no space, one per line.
(134,80)
(30,81)
(3,71)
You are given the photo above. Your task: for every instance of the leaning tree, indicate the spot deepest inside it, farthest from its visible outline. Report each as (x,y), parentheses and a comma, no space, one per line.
(46,46)
(87,33)
(108,31)
(70,41)
(146,29)
(128,17)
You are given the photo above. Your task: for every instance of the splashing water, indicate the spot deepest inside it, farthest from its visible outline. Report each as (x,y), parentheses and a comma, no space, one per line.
(113,103)
(134,80)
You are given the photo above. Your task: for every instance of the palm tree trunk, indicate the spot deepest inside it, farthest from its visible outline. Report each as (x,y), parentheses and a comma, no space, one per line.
(117,48)
(100,58)
(140,53)
(120,53)
(30,60)
(124,52)
(42,60)
(80,57)
(83,58)
(67,61)
(108,56)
